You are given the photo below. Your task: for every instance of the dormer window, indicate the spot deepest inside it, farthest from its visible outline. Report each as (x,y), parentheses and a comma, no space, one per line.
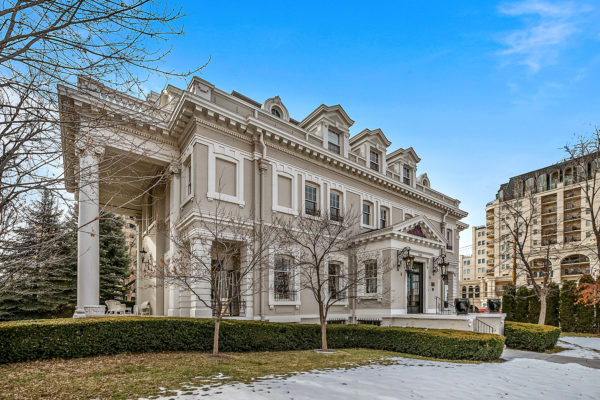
(276,112)
(333,142)
(374,160)
(406,175)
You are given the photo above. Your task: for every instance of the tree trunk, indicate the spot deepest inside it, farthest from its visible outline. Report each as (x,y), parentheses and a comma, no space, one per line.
(323,334)
(216,337)
(542,318)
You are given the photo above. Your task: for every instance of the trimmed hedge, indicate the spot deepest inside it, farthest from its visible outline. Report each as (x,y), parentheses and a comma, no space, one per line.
(532,337)
(71,338)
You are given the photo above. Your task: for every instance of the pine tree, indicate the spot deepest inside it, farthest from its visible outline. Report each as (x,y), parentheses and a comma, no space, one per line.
(114,258)
(35,256)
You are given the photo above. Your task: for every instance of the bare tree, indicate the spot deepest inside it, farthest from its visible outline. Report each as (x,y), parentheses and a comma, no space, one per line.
(220,256)
(583,156)
(531,260)
(327,259)
(46,43)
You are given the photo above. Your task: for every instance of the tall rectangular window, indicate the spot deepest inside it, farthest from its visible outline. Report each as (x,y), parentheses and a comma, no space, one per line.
(310,200)
(188,177)
(374,160)
(406,175)
(333,142)
(226,175)
(383,217)
(334,206)
(371,277)
(282,285)
(366,213)
(449,238)
(334,280)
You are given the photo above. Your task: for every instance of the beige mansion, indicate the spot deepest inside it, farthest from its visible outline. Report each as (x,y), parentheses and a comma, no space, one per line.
(560,230)
(258,161)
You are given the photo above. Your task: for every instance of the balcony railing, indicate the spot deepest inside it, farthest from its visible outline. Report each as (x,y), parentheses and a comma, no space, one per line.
(235,308)
(285,295)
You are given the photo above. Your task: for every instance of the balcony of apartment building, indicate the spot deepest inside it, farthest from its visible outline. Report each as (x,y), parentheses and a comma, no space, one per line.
(549,200)
(549,210)
(574,266)
(489,243)
(573,194)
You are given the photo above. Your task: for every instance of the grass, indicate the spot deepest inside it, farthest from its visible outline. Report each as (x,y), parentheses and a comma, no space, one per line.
(578,334)
(555,349)
(142,375)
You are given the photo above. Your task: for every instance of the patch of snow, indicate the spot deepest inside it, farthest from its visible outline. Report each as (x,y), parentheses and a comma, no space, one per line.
(419,379)
(582,347)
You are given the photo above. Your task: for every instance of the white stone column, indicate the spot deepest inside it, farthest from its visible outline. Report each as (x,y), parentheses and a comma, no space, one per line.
(88,234)
(174,205)
(202,247)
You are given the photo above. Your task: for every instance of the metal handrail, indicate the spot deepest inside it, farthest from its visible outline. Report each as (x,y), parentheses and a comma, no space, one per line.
(482,327)
(444,307)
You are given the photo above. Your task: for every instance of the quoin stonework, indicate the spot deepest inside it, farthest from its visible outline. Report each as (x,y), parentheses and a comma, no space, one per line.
(155,159)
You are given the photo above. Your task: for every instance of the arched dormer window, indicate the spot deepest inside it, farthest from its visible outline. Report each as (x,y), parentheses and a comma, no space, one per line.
(276,112)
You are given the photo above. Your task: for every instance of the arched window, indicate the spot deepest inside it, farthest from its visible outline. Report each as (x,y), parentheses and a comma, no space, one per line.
(470,292)
(576,264)
(276,112)
(568,176)
(476,292)
(464,292)
(553,180)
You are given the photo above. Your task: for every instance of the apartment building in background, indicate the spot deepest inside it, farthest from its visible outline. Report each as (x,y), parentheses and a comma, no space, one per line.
(471,284)
(560,233)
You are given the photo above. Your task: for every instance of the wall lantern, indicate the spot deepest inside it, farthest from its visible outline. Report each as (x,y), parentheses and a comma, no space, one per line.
(404,255)
(440,264)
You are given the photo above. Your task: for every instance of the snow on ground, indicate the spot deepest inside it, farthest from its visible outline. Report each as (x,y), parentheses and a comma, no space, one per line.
(418,379)
(582,347)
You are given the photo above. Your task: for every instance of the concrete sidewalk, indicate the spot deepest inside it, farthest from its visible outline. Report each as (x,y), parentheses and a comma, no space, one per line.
(511,354)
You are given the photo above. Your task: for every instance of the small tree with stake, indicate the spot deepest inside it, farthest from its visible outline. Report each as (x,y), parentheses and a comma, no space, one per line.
(219,257)
(317,243)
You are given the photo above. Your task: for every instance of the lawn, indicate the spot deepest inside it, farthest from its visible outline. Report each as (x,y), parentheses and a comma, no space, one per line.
(136,375)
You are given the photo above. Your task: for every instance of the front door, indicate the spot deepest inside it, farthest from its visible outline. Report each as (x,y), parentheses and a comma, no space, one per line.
(414,289)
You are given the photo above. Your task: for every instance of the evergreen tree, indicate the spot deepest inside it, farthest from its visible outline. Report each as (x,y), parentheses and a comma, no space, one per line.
(522,304)
(114,258)
(533,308)
(508,302)
(567,307)
(552,305)
(41,286)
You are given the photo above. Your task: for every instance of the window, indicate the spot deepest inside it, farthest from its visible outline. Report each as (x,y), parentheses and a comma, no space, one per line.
(464,292)
(383,217)
(371,277)
(470,292)
(333,142)
(334,206)
(334,280)
(366,213)
(406,175)
(188,177)
(374,158)
(282,285)
(449,238)
(284,191)
(310,200)
(275,112)
(476,292)
(225,178)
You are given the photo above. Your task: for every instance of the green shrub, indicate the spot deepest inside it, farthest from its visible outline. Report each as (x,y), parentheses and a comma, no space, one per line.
(532,337)
(508,302)
(568,321)
(70,338)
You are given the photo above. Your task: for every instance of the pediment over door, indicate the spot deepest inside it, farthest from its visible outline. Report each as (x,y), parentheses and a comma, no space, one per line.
(420,227)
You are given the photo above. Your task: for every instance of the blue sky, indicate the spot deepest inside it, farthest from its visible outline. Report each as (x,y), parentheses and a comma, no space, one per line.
(481,90)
